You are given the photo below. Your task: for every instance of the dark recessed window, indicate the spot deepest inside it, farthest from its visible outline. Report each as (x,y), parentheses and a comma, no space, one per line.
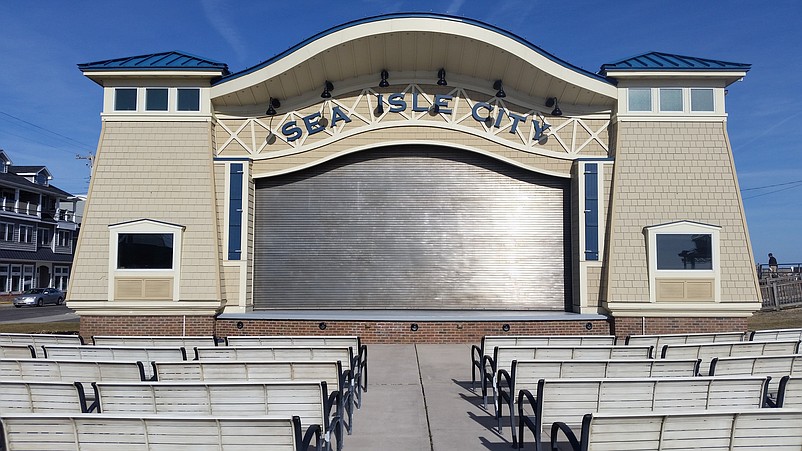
(156,99)
(125,99)
(145,251)
(684,251)
(188,99)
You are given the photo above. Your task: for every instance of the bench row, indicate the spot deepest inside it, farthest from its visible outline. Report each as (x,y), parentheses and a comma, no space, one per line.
(308,400)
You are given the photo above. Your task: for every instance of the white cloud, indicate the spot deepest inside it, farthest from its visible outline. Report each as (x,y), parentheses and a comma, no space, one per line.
(215,12)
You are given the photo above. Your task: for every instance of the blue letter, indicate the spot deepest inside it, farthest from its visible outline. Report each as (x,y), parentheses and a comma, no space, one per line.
(539,129)
(515,119)
(397,103)
(475,111)
(441,102)
(501,112)
(338,115)
(291,131)
(415,106)
(312,125)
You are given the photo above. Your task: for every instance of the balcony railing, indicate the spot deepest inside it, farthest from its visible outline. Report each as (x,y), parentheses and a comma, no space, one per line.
(23,208)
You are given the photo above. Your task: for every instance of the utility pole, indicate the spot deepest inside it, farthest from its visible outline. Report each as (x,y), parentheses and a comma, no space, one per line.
(90,161)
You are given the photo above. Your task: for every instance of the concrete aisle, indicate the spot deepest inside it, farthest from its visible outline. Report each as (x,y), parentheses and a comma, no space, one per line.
(419,398)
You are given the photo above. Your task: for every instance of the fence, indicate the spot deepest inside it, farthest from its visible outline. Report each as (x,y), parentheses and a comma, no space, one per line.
(781,292)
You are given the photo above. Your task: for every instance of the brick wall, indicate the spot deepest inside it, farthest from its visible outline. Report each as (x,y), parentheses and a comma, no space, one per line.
(145,325)
(398,331)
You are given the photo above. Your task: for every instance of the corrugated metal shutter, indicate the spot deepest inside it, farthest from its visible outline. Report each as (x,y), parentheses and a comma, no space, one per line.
(412,227)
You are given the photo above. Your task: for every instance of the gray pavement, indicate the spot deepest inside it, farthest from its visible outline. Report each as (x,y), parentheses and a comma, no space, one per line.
(419,399)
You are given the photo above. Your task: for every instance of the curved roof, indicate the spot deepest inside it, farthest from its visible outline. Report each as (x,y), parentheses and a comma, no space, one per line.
(413,47)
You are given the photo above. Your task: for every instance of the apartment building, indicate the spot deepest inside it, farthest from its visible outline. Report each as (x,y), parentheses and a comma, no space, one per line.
(37,238)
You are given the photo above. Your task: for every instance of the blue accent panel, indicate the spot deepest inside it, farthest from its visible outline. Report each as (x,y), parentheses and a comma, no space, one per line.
(658,61)
(235,212)
(591,211)
(445,17)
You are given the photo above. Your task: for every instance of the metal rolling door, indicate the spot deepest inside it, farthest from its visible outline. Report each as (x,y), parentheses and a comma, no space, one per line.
(411,227)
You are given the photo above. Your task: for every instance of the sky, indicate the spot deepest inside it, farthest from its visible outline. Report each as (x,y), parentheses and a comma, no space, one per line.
(49,112)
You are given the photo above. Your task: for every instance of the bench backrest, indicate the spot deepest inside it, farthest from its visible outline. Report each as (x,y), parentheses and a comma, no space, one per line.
(127,353)
(38,397)
(287,354)
(187,342)
(251,371)
(769,429)
(69,432)
(304,399)
(526,373)
(17,351)
(708,351)
(68,370)
(776,335)
(790,394)
(489,342)
(774,366)
(287,341)
(568,400)
(37,340)
(660,340)
(504,355)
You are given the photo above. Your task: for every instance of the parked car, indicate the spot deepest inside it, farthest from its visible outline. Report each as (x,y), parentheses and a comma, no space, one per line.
(39,297)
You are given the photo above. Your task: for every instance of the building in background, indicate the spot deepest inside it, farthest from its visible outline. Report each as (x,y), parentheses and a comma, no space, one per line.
(413,177)
(37,235)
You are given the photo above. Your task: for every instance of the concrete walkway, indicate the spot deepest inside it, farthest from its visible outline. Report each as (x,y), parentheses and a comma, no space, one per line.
(419,399)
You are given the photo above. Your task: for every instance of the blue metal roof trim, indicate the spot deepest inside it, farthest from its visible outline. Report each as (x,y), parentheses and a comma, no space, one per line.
(157,61)
(658,61)
(413,15)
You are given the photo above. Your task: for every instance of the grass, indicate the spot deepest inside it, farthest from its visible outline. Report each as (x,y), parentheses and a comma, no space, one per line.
(783,319)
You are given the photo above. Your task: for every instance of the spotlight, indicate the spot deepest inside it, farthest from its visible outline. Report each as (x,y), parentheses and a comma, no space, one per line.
(499,89)
(441,77)
(328,86)
(413,327)
(384,83)
(552,101)
(271,107)
(505,327)
(322,325)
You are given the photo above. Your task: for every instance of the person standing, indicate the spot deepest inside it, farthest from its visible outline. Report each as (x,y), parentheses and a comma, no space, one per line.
(772,265)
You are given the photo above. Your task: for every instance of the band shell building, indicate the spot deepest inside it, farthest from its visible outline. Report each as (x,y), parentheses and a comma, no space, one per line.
(413,177)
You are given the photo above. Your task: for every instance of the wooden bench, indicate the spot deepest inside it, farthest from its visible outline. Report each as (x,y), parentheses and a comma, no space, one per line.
(660,340)
(17,351)
(172,341)
(752,430)
(568,400)
(349,341)
(258,371)
(776,335)
(525,375)
(39,397)
(773,366)
(503,356)
(790,394)
(308,400)
(490,342)
(157,432)
(707,351)
(37,340)
(69,370)
(345,355)
(113,353)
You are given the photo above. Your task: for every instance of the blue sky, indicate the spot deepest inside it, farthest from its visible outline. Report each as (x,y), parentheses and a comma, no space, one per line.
(49,112)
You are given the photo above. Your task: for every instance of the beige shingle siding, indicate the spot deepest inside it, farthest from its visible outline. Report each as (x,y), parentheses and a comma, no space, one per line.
(670,171)
(154,170)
